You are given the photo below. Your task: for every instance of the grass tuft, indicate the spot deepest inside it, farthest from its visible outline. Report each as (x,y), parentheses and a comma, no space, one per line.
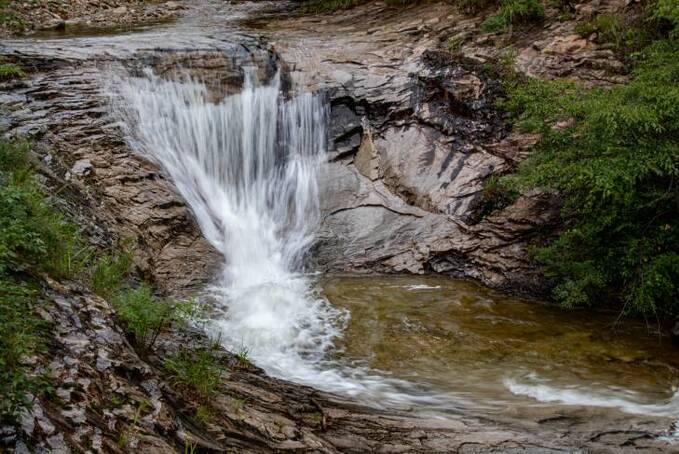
(9,71)
(197,370)
(109,271)
(513,12)
(146,316)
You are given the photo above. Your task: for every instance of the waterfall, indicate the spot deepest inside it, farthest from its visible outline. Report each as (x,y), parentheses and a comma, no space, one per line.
(248,167)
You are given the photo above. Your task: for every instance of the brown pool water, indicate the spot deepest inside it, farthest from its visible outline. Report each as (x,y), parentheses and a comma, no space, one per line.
(493,352)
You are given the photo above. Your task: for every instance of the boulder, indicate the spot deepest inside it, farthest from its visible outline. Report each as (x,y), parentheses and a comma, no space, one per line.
(82,168)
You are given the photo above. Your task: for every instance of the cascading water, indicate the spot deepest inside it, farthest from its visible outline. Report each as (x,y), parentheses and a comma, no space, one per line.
(248,167)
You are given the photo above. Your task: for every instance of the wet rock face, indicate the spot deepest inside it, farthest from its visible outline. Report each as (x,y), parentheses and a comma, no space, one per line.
(430,153)
(406,177)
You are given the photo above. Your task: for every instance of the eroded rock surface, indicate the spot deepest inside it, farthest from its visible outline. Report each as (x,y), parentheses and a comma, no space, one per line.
(414,134)
(108,398)
(66,16)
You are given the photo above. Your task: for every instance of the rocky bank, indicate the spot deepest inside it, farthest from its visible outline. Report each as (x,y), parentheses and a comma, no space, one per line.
(79,15)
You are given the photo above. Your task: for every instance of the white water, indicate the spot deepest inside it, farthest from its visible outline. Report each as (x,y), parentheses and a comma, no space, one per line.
(620,398)
(248,166)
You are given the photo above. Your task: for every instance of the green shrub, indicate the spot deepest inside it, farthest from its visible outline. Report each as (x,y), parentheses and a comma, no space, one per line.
(146,316)
(497,194)
(32,232)
(514,12)
(615,160)
(668,12)
(109,271)
(585,29)
(627,34)
(20,337)
(34,237)
(197,370)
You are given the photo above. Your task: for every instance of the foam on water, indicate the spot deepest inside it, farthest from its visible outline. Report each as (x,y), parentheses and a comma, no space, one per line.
(621,399)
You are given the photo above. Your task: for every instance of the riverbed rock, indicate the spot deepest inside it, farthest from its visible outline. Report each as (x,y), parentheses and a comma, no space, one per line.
(82,168)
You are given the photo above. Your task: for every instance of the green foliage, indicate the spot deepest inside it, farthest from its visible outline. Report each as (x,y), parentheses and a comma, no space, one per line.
(205,414)
(197,370)
(497,194)
(514,12)
(106,277)
(668,11)
(613,154)
(627,34)
(32,232)
(614,31)
(9,71)
(585,29)
(20,338)
(146,316)
(190,448)
(33,237)
(243,357)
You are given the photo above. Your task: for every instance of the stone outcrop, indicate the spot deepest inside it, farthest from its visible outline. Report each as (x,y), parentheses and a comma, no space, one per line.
(414,133)
(75,15)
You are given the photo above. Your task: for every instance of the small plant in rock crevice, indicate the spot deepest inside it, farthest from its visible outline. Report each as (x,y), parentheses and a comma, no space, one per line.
(10,71)
(198,371)
(146,316)
(243,358)
(109,271)
(513,12)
